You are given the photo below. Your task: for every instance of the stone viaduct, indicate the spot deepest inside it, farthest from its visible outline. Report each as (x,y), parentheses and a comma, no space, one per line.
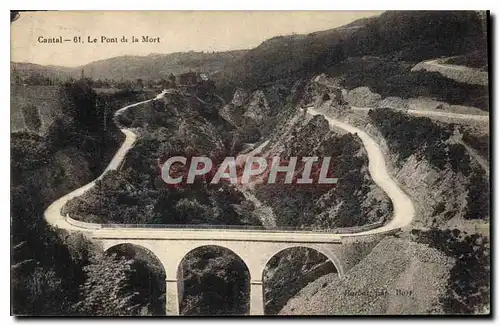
(254,248)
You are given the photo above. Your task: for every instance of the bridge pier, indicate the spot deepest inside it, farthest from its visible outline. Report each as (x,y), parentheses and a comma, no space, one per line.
(172,297)
(256,298)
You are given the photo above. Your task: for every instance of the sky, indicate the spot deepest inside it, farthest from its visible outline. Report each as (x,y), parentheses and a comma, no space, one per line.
(178,31)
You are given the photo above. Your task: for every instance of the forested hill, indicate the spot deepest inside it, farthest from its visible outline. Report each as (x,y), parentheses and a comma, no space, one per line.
(153,66)
(397,36)
(156,66)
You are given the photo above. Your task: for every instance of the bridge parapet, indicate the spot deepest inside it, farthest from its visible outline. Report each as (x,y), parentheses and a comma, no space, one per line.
(345,231)
(80,224)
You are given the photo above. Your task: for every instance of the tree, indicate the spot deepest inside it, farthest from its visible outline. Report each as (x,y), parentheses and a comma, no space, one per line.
(79,103)
(106,291)
(140,83)
(216,282)
(172,79)
(37,289)
(32,118)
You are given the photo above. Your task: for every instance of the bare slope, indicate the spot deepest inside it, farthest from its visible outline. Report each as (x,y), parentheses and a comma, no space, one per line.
(397,277)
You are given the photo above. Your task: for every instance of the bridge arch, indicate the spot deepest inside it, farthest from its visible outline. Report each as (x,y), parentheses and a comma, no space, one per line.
(148,279)
(109,244)
(213,279)
(229,249)
(332,257)
(291,268)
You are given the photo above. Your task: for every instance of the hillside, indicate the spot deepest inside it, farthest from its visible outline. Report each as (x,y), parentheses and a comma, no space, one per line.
(153,66)
(418,274)
(376,285)
(25,69)
(33,108)
(156,66)
(399,36)
(426,157)
(176,125)
(46,265)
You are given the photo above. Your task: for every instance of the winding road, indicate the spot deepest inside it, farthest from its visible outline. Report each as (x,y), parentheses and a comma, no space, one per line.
(404,210)
(458,73)
(433,113)
(53,213)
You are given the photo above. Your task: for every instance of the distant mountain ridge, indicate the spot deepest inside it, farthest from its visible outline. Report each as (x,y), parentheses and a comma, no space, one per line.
(128,67)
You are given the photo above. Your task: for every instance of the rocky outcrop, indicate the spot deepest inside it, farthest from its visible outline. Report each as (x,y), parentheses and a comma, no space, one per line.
(240,97)
(392,102)
(251,114)
(257,109)
(363,97)
(233,112)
